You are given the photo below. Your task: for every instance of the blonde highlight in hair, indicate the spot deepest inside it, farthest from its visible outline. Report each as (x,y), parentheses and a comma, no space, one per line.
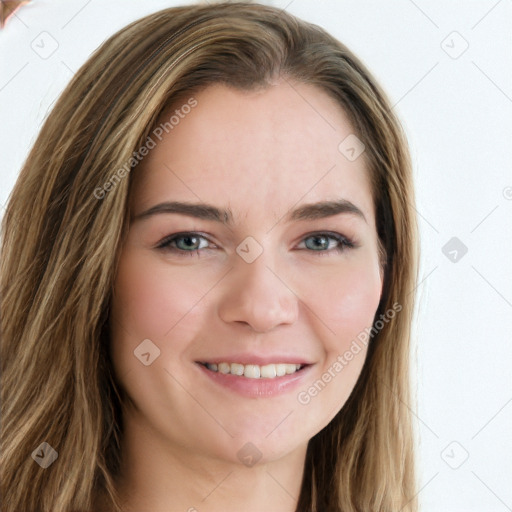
(61,244)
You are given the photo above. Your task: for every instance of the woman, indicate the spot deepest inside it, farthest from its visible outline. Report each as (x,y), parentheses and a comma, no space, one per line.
(207,270)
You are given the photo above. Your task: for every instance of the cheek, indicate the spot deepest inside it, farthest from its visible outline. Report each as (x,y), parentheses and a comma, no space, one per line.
(156,301)
(345,297)
(152,297)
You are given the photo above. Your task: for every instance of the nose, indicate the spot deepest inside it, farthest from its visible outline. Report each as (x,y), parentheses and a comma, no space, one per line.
(258,296)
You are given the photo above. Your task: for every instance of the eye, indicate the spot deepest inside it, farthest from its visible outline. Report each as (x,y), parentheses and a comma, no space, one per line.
(184,244)
(323,243)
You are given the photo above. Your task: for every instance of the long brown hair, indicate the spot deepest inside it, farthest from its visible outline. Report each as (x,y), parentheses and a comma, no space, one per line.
(63,229)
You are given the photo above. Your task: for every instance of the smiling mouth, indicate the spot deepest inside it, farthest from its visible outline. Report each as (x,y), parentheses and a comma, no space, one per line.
(254,371)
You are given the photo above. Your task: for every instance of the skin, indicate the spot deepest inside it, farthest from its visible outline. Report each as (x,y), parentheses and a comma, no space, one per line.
(260,154)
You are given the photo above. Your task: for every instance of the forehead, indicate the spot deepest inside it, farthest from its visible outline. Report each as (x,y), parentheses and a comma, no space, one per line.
(261,151)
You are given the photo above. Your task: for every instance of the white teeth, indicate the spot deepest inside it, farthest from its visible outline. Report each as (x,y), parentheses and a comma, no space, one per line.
(237,369)
(280,370)
(224,368)
(268,371)
(290,368)
(253,371)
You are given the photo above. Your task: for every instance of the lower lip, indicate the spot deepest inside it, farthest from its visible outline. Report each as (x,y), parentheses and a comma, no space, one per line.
(257,387)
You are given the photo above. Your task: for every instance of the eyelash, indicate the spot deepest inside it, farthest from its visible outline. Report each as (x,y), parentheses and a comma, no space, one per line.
(343,243)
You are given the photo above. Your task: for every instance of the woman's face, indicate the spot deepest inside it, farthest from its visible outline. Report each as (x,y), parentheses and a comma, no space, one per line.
(260,276)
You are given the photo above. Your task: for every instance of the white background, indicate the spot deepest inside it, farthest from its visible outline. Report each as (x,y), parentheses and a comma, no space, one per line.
(457,113)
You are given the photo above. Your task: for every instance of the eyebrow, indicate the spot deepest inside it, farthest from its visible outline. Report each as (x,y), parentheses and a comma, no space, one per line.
(205,211)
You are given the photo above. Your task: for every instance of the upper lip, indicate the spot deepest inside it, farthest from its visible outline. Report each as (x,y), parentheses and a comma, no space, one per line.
(260,360)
